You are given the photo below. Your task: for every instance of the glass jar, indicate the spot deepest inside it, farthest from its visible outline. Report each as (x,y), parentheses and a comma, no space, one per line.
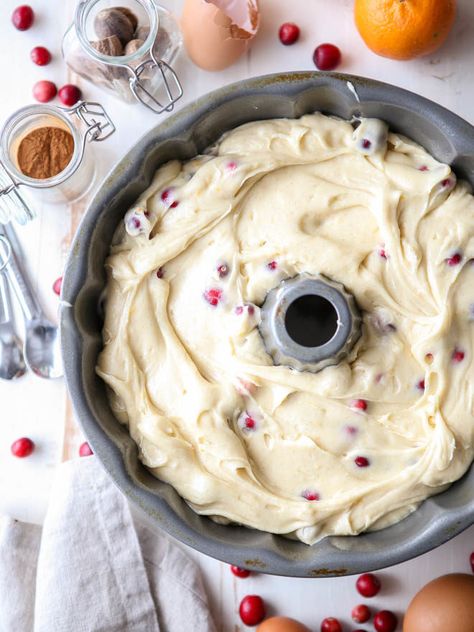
(86,122)
(143,73)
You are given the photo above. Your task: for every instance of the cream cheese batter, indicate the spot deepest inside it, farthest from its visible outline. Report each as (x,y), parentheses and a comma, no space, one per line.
(352,447)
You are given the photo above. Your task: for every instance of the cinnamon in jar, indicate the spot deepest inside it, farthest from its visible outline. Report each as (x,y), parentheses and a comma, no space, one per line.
(44,152)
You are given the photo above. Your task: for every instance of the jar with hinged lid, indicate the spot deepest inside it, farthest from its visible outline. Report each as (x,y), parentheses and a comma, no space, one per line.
(46,156)
(126,47)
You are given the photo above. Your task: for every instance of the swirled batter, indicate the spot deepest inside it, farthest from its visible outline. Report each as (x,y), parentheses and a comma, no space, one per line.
(356,446)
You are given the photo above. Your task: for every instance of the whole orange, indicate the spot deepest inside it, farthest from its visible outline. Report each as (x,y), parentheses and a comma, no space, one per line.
(404,29)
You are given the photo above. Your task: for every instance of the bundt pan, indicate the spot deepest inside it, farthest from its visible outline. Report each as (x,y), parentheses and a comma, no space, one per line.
(183,135)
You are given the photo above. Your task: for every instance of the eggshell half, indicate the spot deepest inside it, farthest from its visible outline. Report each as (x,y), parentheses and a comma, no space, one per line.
(444,605)
(281,624)
(211,40)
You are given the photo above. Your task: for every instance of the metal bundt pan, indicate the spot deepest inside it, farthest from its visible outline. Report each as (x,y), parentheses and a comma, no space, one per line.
(183,135)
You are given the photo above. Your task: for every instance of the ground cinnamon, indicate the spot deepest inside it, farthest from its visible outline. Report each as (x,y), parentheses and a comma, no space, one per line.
(44,152)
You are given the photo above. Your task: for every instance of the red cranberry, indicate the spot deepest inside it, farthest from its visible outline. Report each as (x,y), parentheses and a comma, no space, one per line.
(326,57)
(272,265)
(360,613)
(361,461)
(44,91)
(359,404)
(213,295)
(22,447)
(168,198)
(383,253)
(446,183)
(85,449)
(240,572)
(420,385)
(222,270)
(288,33)
(231,165)
(249,423)
(69,95)
(471,561)
(368,585)
(423,168)
(330,624)
(23,17)
(351,430)
(160,273)
(458,355)
(252,610)
(40,56)
(454,260)
(385,621)
(57,286)
(309,494)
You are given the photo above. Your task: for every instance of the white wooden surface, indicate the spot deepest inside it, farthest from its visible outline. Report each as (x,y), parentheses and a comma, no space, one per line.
(38,409)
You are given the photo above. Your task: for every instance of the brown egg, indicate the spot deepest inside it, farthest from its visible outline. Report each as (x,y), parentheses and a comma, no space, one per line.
(281,624)
(210,38)
(444,605)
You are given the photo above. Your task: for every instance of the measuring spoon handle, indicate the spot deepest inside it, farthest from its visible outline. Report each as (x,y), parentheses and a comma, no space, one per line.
(22,286)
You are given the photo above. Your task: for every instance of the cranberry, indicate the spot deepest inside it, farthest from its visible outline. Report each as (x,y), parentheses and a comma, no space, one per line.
(168,198)
(383,253)
(362,461)
(85,449)
(69,95)
(249,423)
(288,33)
(252,610)
(454,260)
(330,624)
(471,561)
(366,143)
(222,270)
(360,613)
(22,447)
(359,404)
(44,91)
(309,494)
(385,621)
(160,273)
(368,585)
(458,355)
(57,286)
(40,56)
(423,168)
(446,183)
(240,572)
(351,430)
(231,166)
(326,57)
(420,385)
(272,265)
(213,295)
(23,17)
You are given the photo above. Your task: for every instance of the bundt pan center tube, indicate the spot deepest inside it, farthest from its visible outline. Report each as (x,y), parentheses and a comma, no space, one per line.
(182,136)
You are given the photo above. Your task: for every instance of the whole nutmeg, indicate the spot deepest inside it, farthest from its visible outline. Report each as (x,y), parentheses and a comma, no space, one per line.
(142,33)
(133,46)
(130,15)
(110,46)
(109,22)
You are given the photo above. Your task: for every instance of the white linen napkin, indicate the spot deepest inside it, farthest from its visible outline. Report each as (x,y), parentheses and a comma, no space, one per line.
(93,567)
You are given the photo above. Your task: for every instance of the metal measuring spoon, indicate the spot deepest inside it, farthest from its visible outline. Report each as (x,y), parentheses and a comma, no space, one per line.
(42,346)
(12,363)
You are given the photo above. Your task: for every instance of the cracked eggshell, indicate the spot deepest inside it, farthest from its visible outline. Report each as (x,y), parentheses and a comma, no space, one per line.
(212,39)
